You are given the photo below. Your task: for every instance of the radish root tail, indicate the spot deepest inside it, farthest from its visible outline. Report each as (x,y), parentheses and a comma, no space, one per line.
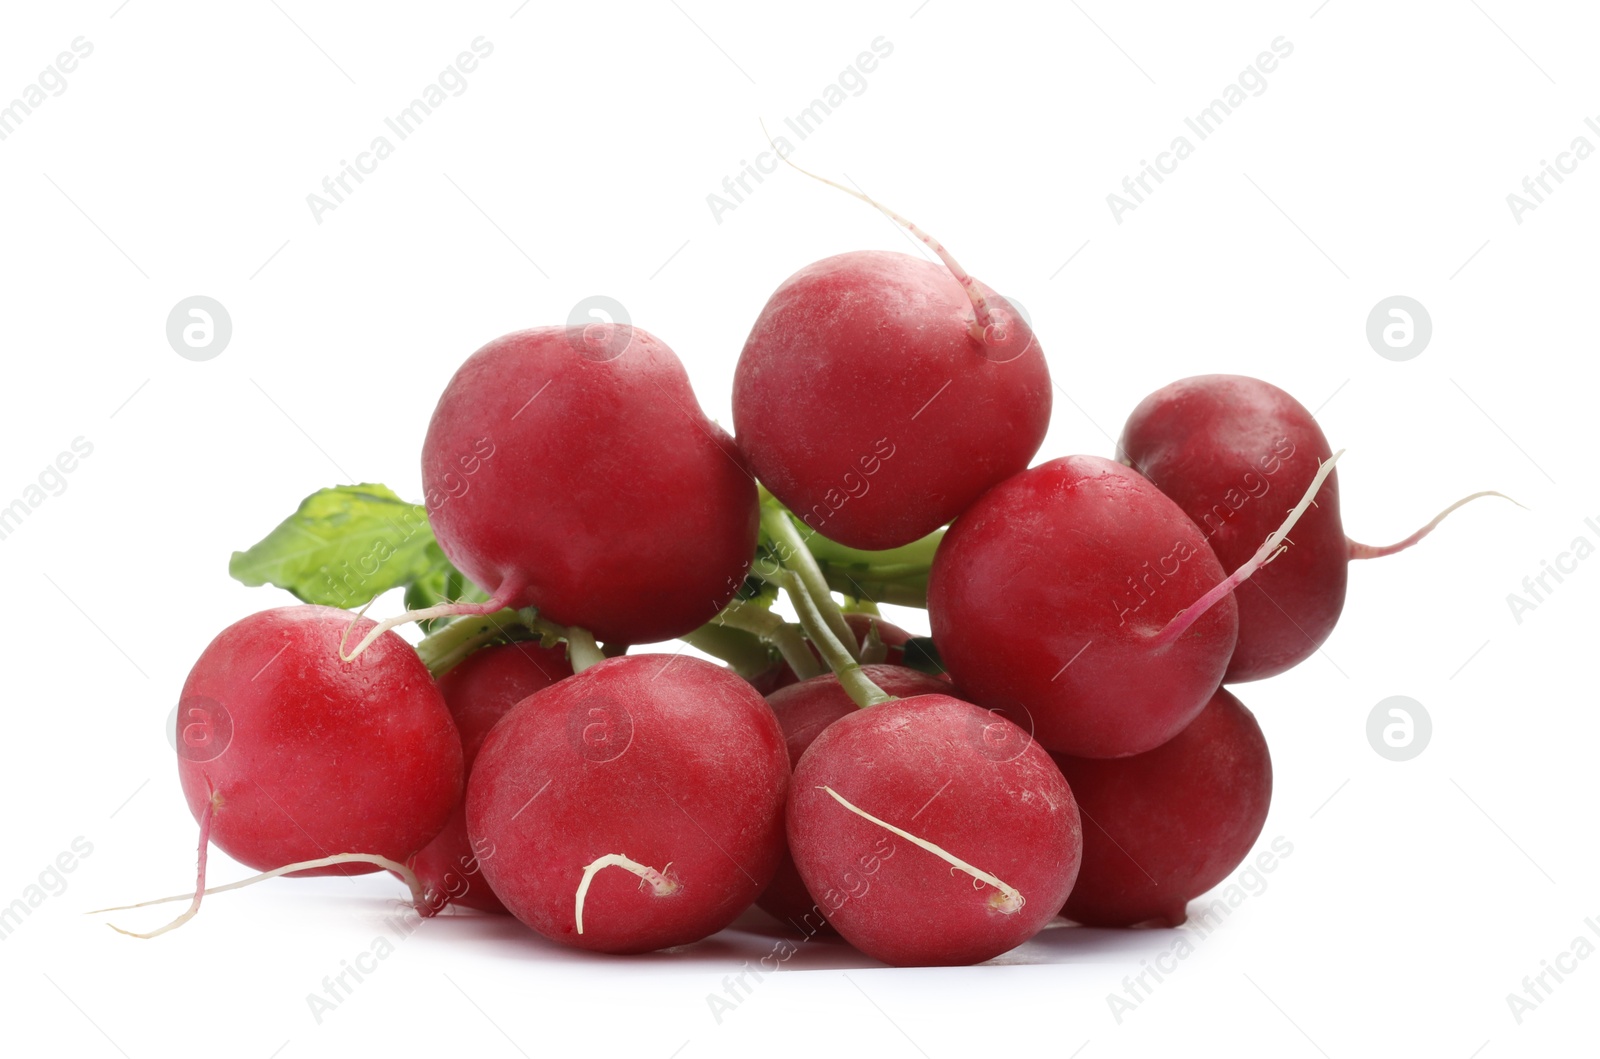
(419,897)
(1006,899)
(985,328)
(658,880)
(1270,549)
(443,610)
(199,882)
(1369,551)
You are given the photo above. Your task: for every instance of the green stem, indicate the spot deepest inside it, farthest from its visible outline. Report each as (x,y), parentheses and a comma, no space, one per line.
(862,691)
(582,651)
(798,558)
(448,646)
(912,592)
(918,553)
(750,618)
(743,651)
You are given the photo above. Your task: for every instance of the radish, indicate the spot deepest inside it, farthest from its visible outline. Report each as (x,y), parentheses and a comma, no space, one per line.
(924,842)
(1230,450)
(879,394)
(294,754)
(961,890)
(1078,599)
(1047,598)
(298,762)
(480,691)
(803,711)
(571,469)
(632,807)
(1163,827)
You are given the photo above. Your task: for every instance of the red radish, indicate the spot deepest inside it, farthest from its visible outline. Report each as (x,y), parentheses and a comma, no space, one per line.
(1163,827)
(1048,596)
(803,711)
(1234,452)
(634,806)
(927,841)
(292,755)
(948,416)
(571,469)
(880,394)
(479,692)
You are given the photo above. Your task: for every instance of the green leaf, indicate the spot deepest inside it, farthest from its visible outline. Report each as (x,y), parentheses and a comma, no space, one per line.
(343,547)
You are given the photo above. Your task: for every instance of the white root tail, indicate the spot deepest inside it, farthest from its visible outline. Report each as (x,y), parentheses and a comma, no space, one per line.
(418,895)
(1269,550)
(443,610)
(985,328)
(658,880)
(1007,898)
(1369,551)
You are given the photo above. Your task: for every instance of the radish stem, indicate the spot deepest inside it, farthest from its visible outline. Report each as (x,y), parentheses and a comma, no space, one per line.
(744,652)
(862,691)
(449,645)
(775,521)
(582,651)
(748,617)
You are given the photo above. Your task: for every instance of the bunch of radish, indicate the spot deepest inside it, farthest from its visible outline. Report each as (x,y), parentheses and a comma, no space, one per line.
(1062,744)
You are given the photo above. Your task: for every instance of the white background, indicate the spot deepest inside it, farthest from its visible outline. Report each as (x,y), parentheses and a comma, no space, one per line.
(578,162)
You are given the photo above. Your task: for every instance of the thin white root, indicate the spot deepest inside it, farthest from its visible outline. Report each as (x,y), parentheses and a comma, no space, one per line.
(658,880)
(1008,899)
(1370,551)
(443,610)
(984,327)
(1270,549)
(199,875)
(405,873)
